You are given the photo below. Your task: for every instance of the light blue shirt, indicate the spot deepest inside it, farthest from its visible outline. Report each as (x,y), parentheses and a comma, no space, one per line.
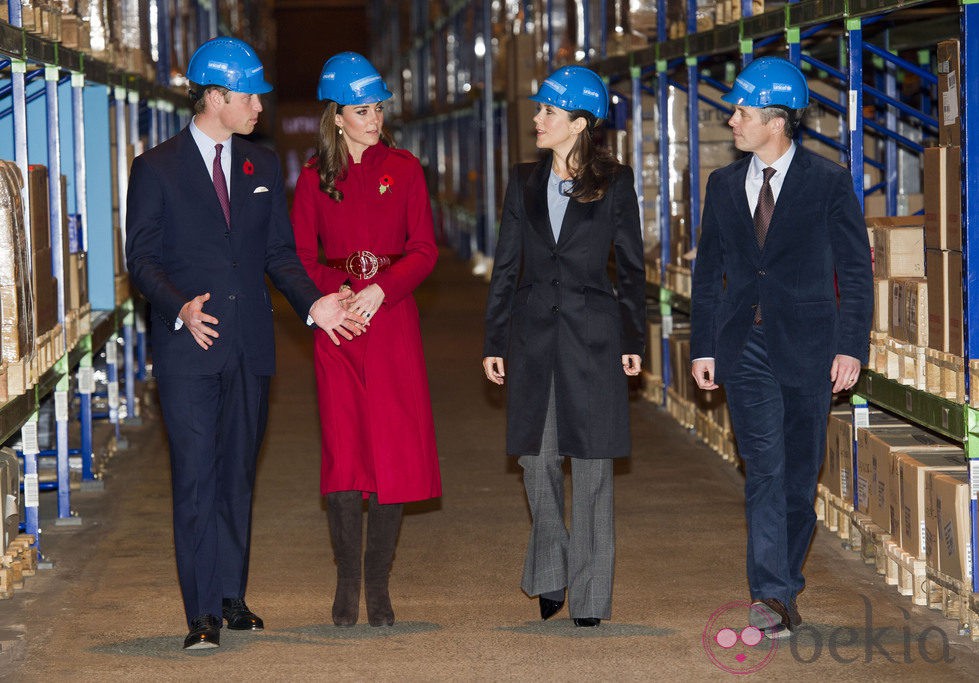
(557,201)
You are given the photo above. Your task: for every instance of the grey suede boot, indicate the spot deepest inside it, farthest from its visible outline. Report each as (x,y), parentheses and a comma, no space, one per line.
(343,510)
(383,524)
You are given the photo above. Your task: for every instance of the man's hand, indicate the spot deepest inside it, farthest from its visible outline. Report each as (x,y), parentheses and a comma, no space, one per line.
(844,372)
(493,367)
(702,370)
(366,302)
(197,321)
(631,364)
(333,318)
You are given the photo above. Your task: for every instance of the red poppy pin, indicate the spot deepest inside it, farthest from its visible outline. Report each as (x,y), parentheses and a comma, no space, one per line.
(248,167)
(386,183)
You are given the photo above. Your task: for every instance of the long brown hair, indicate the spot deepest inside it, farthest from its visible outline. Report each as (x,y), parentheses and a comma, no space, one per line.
(332,152)
(592,166)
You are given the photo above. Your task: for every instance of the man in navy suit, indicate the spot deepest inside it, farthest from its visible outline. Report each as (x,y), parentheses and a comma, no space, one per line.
(206,222)
(779,226)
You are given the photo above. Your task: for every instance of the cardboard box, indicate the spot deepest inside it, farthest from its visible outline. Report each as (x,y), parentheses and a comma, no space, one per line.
(899,248)
(882,304)
(874,448)
(949,92)
(837,472)
(950,493)
(908,319)
(914,465)
(907,204)
(945,300)
(943,198)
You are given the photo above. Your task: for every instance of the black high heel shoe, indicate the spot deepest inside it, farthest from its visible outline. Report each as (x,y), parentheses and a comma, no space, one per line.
(587,622)
(548,607)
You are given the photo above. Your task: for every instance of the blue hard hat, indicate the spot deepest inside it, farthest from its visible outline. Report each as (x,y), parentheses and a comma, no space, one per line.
(574,87)
(230,63)
(769,82)
(348,78)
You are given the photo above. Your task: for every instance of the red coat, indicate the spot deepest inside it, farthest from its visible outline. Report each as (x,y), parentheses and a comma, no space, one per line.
(375,409)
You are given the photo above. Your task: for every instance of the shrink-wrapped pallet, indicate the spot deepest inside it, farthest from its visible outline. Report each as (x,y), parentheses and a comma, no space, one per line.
(16,300)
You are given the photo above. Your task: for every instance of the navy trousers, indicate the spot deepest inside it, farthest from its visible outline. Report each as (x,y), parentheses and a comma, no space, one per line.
(215,424)
(781,434)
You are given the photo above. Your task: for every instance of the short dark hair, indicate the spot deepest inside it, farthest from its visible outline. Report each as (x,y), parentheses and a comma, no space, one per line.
(198,95)
(792,117)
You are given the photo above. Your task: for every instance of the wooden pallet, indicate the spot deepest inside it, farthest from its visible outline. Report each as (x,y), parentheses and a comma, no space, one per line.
(945,375)
(907,572)
(872,540)
(953,598)
(18,561)
(652,387)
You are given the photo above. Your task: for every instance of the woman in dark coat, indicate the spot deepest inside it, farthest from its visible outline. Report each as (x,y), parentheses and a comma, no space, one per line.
(569,338)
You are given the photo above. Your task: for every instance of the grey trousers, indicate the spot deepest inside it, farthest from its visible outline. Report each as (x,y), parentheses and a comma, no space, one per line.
(583,561)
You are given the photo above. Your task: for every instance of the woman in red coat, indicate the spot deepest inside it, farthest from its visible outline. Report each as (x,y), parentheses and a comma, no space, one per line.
(367,205)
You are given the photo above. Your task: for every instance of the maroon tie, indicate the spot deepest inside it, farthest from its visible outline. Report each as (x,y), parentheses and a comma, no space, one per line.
(221,185)
(765,207)
(763,218)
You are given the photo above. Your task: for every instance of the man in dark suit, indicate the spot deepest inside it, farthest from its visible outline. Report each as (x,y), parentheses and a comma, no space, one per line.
(778,227)
(199,251)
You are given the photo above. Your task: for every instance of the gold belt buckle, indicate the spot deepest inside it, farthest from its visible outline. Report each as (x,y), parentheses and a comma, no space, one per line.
(362,265)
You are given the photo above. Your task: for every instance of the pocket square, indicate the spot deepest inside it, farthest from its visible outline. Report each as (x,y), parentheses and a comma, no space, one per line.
(260,188)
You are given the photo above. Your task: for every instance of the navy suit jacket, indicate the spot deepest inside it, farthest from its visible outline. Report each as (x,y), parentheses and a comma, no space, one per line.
(817,231)
(178,246)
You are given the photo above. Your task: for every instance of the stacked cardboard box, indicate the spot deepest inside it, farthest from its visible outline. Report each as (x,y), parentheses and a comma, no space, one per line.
(16,295)
(44,284)
(876,495)
(947,525)
(837,473)
(900,297)
(911,498)
(943,212)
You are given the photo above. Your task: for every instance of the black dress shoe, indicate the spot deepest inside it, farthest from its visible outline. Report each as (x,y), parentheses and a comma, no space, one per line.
(548,607)
(205,632)
(239,617)
(587,622)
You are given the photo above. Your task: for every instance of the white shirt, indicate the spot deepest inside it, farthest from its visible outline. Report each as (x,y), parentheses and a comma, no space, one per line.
(755,178)
(207,150)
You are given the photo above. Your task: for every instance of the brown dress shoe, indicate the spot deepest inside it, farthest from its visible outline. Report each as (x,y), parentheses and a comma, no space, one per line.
(770,616)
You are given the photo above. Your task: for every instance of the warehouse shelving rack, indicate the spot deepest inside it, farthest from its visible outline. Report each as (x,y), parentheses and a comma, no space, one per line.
(449,115)
(58,107)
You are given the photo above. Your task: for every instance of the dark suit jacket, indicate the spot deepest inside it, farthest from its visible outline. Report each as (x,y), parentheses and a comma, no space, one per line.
(178,246)
(817,231)
(553,312)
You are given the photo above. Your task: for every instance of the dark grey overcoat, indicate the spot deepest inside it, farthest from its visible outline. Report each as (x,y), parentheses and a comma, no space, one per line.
(552,311)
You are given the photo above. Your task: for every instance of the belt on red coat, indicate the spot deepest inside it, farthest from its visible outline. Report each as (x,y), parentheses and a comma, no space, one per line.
(363,265)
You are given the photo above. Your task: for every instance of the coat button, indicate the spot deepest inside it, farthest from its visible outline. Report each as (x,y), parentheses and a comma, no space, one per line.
(234,264)
(555,309)
(555,282)
(231,297)
(554,256)
(762,273)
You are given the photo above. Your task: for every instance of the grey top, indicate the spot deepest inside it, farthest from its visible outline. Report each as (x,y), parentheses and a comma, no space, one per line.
(557,201)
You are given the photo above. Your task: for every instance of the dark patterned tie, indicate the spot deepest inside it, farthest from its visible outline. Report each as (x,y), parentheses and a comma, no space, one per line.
(765,207)
(221,185)
(763,218)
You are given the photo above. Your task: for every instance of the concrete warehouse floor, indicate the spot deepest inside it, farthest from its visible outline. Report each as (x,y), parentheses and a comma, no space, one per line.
(110,609)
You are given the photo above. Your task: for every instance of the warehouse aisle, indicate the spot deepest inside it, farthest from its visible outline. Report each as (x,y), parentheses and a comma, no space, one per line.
(110,610)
